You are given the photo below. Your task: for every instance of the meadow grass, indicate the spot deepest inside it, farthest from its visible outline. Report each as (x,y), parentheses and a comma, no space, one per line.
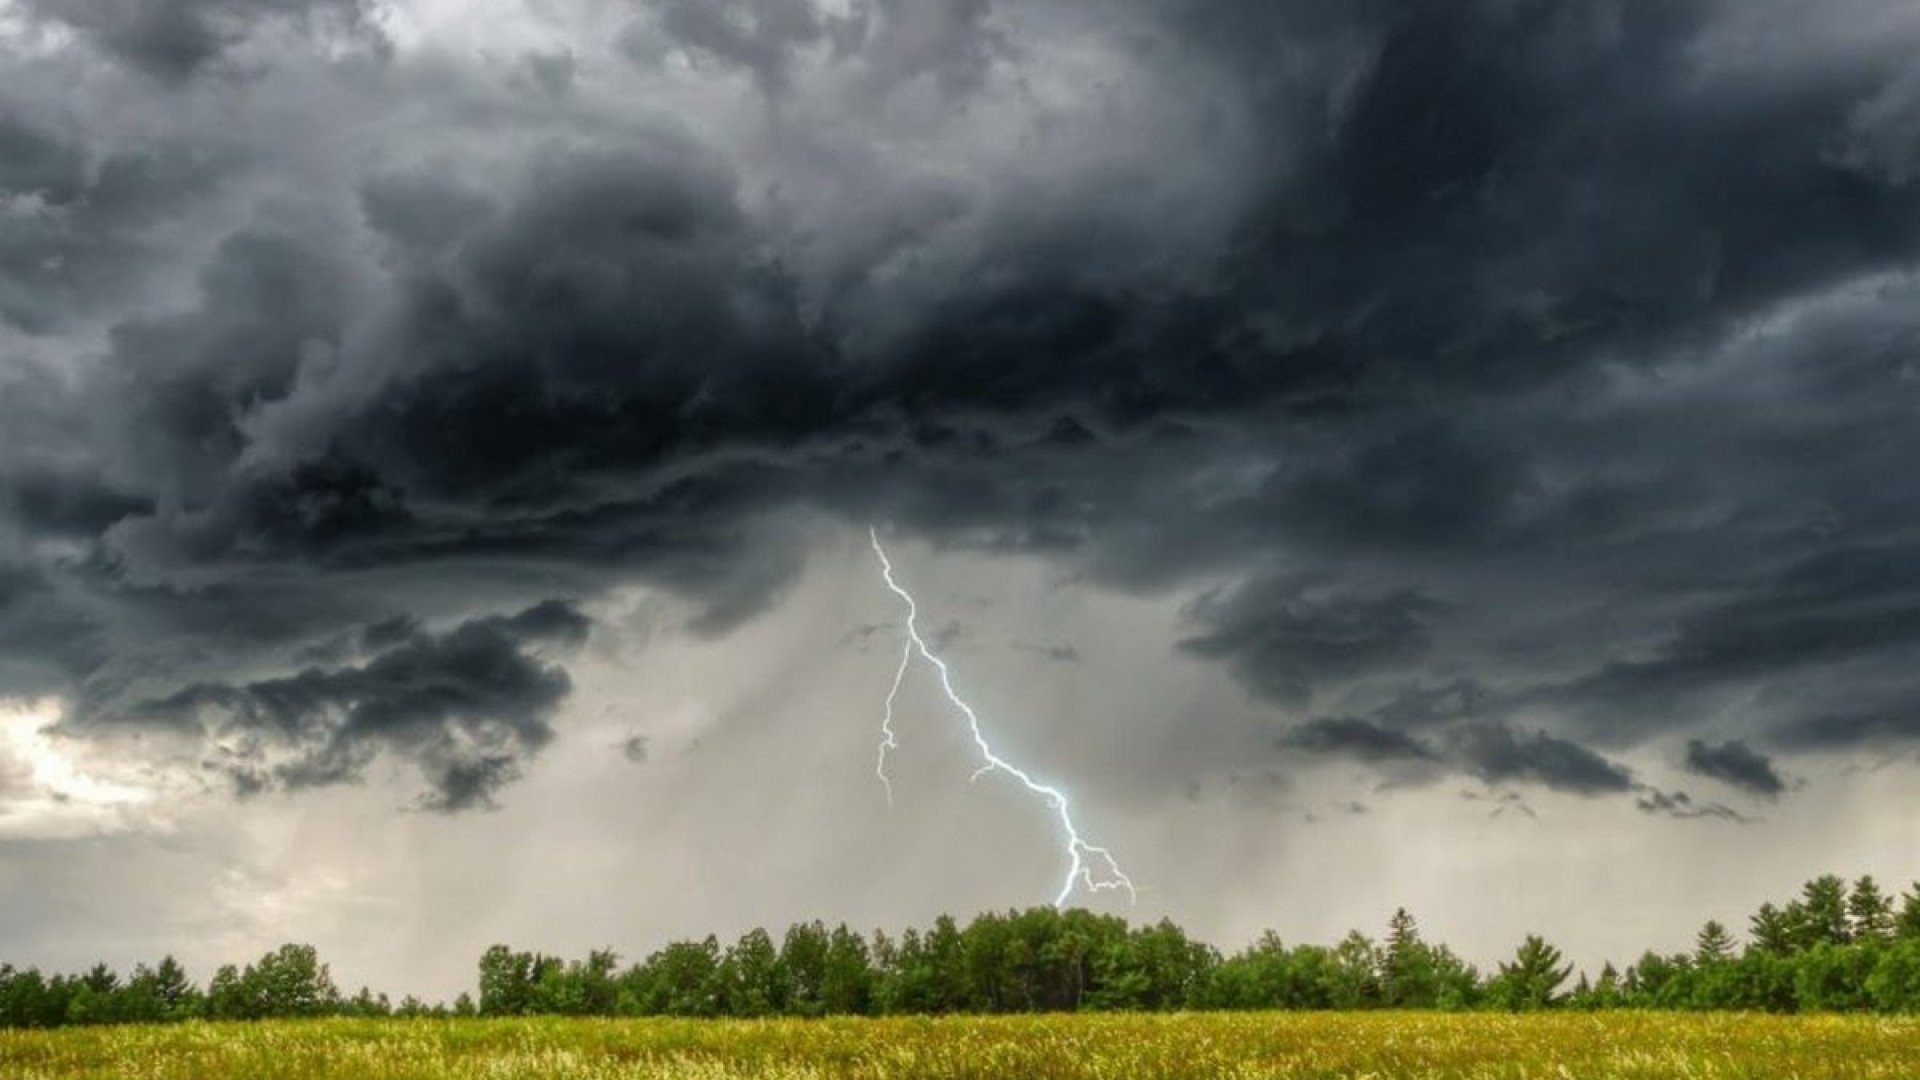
(1134,1047)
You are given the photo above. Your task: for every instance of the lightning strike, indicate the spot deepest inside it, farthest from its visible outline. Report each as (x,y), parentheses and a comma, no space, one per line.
(1087,864)
(887,741)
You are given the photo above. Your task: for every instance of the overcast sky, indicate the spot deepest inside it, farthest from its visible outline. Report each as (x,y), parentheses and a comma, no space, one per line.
(1451,453)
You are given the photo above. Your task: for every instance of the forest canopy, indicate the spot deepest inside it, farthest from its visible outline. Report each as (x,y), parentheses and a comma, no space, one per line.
(1835,947)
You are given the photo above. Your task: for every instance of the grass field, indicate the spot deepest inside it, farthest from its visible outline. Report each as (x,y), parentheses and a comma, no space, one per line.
(1132,1047)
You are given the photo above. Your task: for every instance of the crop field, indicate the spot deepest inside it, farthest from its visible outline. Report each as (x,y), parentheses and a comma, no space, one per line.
(1133,1047)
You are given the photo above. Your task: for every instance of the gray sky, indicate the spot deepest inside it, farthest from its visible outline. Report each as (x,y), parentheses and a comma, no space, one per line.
(1453,455)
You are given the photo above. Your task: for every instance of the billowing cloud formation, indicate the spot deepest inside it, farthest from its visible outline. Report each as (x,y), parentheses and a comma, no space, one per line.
(173,39)
(1509,385)
(467,706)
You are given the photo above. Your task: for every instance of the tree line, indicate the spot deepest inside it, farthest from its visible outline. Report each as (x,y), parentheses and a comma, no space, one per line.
(1835,947)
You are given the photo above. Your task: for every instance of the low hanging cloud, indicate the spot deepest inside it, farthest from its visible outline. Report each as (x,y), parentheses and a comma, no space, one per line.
(1678,804)
(1490,751)
(466,708)
(1351,737)
(1736,764)
(1498,754)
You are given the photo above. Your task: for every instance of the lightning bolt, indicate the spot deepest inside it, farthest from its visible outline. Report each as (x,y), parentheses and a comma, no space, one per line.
(887,741)
(1087,864)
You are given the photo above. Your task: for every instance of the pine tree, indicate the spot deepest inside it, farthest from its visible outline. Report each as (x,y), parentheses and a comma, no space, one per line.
(1713,945)
(1607,989)
(1907,923)
(1772,930)
(1532,980)
(1407,971)
(171,986)
(1820,915)
(1582,995)
(1869,911)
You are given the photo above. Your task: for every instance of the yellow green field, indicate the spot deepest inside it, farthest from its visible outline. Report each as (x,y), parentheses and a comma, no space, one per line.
(1133,1047)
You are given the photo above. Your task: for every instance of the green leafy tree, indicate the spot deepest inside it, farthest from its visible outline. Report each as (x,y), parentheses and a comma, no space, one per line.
(1833,978)
(1153,967)
(510,981)
(751,980)
(1764,981)
(847,977)
(1661,982)
(1771,930)
(577,989)
(803,957)
(1457,982)
(1894,985)
(291,981)
(1355,982)
(596,978)
(684,979)
(906,981)
(367,1004)
(227,996)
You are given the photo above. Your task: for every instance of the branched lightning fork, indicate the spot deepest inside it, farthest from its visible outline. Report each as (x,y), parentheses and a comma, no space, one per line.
(1087,864)
(887,741)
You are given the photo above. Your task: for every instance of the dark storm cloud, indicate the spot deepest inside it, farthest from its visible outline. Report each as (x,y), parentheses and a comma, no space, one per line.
(1737,764)
(1498,754)
(1426,487)
(52,504)
(172,39)
(1358,739)
(1503,380)
(45,643)
(1511,185)
(76,240)
(1492,752)
(466,708)
(37,162)
(1842,602)
(1879,728)
(1280,637)
(87,243)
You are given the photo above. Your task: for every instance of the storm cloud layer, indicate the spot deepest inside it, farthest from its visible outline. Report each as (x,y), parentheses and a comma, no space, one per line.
(1505,388)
